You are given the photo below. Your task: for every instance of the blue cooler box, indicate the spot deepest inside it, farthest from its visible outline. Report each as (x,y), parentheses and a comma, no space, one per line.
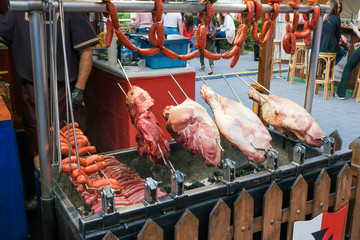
(176,43)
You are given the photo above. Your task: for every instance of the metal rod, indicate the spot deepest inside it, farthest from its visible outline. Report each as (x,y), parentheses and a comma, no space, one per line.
(251,87)
(231,88)
(173,98)
(53,79)
(168,163)
(202,79)
(313,64)
(148,6)
(127,79)
(122,89)
(67,83)
(179,86)
(37,40)
(259,84)
(218,143)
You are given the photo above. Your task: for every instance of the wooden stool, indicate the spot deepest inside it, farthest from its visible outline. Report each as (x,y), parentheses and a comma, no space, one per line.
(276,61)
(357,88)
(298,61)
(328,59)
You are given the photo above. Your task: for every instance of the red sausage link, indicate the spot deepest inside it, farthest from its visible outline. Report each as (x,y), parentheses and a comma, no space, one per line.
(295,22)
(240,37)
(287,17)
(152,37)
(250,12)
(209,13)
(293,44)
(258,9)
(210,55)
(85,150)
(125,40)
(103,182)
(189,56)
(109,33)
(270,32)
(235,59)
(63,129)
(286,42)
(307,40)
(159,10)
(265,28)
(276,12)
(148,52)
(202,40)
(94,158)
(113,14)
(160,34)
(91,169)
(254,34)
(303,34)
(231,53)
(315,17)
(168,53)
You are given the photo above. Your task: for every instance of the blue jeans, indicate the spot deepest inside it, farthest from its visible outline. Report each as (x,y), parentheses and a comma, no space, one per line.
(353,61)
(144,30)
(171,30)
(217,42)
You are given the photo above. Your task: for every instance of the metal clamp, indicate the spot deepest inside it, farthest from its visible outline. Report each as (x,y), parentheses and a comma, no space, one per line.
(298,157)
(151,190)
(229,170)
(109,214)
(329,145)
(229,175)
(272,158)
(177,183)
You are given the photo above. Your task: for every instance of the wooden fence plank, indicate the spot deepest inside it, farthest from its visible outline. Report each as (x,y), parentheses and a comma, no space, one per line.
(272,209)
(342,191)
(219,223)
(355,159)
(187,228)
(298,197)
(337,138)
(355,220)
(321,194)
(243,216)
(151,231)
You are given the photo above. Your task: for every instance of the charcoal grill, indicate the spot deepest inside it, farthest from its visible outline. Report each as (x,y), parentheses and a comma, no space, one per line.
(127,222)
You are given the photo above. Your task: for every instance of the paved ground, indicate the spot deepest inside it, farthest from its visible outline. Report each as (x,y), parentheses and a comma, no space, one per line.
(331,114)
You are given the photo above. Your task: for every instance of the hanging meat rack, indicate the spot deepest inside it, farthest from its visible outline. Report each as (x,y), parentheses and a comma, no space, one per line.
(127,222)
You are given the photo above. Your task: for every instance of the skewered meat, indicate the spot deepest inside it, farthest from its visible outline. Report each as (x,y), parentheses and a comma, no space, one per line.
(149,135)
(238,124)
(192,127)
(289,118)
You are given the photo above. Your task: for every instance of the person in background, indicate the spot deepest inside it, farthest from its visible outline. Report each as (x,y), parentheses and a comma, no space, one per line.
(210,46)
(79,37)
(143,21)
(227,29)
(350,65)
(172,23)
(188,28)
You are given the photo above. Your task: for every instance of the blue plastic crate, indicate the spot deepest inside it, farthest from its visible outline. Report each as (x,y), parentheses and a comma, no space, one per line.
(176,43)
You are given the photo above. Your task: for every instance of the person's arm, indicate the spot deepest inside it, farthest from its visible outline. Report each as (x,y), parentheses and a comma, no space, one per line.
(85,66)
(355,29)
(181,32)
(227,25)
(338,29)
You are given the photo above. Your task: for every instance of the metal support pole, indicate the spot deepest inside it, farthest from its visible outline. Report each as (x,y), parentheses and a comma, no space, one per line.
(37,38)
(310,87)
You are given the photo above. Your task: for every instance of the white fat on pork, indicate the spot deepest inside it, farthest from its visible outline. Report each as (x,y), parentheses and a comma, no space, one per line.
(289,118)
(238,124)
(192,127)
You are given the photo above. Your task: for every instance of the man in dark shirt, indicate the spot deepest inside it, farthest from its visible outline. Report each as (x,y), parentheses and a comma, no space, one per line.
(79,37)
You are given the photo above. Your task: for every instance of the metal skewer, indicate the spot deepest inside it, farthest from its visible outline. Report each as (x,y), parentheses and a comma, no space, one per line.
(127,79)
(251,87)
(179,86)
(231,88)
(167,163)
(202,79)
(173,98)
(122,89)
(259,84)
(221,148)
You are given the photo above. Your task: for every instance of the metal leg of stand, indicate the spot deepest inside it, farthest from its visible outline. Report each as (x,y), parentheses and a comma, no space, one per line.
(37,38)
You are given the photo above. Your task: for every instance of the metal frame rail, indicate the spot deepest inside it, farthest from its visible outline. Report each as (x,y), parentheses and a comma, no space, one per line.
(38,38)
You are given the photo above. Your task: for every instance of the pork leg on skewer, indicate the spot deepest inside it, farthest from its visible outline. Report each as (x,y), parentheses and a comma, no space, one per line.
(238,124)
(150,135)
(289,118)
(192,127)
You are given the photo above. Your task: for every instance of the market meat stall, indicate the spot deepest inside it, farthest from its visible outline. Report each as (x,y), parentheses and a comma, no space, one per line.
(203,187)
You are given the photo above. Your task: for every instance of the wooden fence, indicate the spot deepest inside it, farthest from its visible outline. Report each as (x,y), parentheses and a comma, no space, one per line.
(347,193)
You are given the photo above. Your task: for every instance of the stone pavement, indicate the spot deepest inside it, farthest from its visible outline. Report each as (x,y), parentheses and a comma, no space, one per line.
(331,114)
